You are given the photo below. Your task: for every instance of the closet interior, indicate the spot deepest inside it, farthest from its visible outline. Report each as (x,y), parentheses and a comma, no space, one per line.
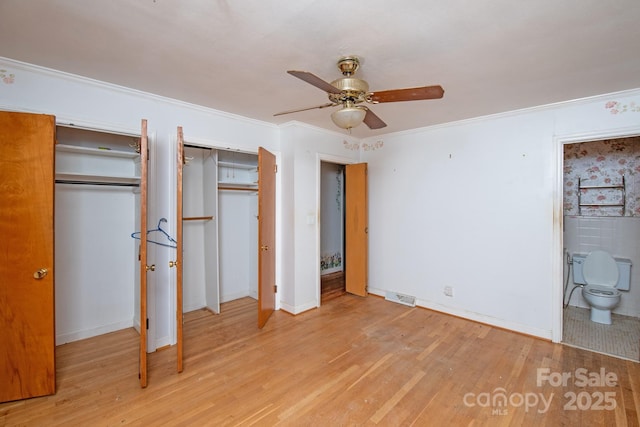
(220,227)
(97,208)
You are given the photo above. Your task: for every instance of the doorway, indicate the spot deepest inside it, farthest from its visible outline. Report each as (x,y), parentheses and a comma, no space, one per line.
(601,210)
(332,272)
(354,219)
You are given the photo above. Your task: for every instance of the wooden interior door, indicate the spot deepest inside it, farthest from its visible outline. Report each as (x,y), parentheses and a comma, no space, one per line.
(356,229)
(266,235)
(144,268)
(27,333)
(179,261)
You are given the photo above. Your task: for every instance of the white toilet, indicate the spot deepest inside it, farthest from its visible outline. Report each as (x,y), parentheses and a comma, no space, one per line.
(603,277)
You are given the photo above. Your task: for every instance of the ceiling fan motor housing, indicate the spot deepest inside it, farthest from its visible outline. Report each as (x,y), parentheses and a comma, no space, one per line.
(352,89)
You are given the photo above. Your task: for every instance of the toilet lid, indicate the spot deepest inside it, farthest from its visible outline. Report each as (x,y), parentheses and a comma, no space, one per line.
(600,268)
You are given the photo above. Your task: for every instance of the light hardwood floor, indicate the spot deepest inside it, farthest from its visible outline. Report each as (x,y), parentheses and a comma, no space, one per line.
(354,361)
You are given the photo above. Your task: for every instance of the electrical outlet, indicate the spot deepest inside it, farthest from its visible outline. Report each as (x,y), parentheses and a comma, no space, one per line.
(448,291)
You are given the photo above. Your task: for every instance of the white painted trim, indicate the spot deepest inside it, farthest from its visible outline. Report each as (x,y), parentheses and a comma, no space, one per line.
(92,332)
(126,90)
(476,317)
(557,291)
(233,296)
(117,129)
(220,145)
(295,310)
(539,108)
(162,342)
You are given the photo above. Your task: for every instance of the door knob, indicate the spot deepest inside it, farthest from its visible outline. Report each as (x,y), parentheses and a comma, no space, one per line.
(40,273)
(264,247)
(151,267)
(173,264)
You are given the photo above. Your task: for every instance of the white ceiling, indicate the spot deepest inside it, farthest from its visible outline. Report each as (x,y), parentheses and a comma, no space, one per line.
(232,55)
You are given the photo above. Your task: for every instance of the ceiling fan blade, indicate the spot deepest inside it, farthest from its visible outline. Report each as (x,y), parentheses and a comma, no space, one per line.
(373,121)
(410,94)
(315,81)
(330,104)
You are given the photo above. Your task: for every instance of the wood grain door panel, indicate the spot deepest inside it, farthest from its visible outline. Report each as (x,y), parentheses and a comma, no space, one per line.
(27,333)
(356,229)
(266,235)
(144,163)
(179,256)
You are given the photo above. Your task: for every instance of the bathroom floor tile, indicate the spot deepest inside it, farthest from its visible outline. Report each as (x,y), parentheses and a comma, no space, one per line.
(620,339)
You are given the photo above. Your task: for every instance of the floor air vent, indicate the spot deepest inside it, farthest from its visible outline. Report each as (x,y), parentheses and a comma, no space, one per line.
(400,298)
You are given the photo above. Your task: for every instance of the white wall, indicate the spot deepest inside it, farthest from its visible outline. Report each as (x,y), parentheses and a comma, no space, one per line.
(238,242)
(95,260)
(480,210)
(98,105)
(476,205)
(303,147)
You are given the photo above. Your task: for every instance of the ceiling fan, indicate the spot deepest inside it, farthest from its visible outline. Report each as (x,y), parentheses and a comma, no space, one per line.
(349,92)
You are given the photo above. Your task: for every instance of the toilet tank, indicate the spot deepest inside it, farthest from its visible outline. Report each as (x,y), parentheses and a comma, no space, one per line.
(624,270)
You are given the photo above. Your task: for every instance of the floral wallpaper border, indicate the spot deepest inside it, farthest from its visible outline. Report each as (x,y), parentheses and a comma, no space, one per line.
(7,78)
(616,107)
(354,146)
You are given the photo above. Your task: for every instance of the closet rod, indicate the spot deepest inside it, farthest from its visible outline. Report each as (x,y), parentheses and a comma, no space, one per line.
(197,218)
(237,189)
(113,184)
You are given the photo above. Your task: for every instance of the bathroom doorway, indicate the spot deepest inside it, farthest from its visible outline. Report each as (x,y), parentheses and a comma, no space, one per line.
(601,210)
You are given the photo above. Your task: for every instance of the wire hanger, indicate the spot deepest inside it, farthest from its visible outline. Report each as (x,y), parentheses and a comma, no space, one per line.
(171,241)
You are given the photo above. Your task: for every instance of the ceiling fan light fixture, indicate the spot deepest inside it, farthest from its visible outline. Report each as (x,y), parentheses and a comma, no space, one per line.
(348,117)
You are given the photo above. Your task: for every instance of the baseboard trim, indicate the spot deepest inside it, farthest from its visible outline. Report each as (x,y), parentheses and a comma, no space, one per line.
(477,317)
(92,332)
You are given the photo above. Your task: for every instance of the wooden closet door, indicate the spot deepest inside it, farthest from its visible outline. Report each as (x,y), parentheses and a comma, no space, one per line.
(27,333)
(266,235)
(179,258)
(144,268)
(356,229)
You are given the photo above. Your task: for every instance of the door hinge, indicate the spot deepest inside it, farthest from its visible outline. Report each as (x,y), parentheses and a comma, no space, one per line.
(275,289)
(275,168)
(147,323)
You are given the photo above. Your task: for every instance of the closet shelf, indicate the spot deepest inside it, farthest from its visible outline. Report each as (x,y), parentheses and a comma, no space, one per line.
(198,218)
(236,165)
(236,184)
(96,151)
(106,179)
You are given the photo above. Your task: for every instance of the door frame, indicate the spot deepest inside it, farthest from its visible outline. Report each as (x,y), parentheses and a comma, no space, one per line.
(557,266)
(218,145)
(133,131)
(337,160)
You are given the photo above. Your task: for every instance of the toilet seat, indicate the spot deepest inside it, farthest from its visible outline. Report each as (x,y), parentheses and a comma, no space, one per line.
(600,268)
(601,291)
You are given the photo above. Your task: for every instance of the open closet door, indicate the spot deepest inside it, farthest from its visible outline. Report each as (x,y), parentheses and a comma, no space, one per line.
(179,261)
(356,229)
(27,334)
(144,162)
(266,235)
